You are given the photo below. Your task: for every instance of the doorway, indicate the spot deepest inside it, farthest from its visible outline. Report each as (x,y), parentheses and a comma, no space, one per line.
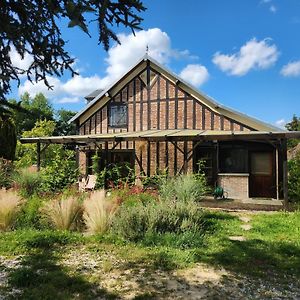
(262,182)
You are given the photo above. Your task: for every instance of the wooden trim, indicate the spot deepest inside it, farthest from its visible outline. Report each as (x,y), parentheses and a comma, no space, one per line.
(134,105)
(101,120)
(222,122)
(167,154)
(148,96)
(285,173)
(212,120)
(148,159)
(176,106)
(194,114)
(167,104)
(185,112)
(203,108)
(140,165)
(185,156)
(158,101)
(157,156)
(141,104)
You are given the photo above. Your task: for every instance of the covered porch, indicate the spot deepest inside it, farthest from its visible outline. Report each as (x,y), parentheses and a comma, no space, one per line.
(242,162)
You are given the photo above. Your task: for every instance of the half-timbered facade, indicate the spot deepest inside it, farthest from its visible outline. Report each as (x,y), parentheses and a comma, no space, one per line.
(149,98)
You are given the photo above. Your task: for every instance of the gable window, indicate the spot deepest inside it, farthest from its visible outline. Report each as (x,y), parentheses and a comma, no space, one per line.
(118,115)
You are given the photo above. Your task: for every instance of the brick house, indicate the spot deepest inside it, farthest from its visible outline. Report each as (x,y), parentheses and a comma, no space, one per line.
(154,120)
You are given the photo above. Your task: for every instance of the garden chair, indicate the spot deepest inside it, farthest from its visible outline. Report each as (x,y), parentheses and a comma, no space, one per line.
(90,182)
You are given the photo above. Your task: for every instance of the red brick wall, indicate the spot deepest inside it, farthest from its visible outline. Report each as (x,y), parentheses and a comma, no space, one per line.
(168,107)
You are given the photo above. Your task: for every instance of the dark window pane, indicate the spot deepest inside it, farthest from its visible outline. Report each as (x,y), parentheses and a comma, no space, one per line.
(233,161)
(118,115)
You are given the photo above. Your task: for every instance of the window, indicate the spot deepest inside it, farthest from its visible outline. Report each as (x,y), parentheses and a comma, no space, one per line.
(233,160)
(118,115)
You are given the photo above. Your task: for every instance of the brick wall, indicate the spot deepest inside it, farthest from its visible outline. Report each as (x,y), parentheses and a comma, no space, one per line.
(163,106)
(235,186)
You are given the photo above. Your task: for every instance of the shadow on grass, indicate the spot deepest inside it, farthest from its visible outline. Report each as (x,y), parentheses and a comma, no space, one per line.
(40,276)
(254,257)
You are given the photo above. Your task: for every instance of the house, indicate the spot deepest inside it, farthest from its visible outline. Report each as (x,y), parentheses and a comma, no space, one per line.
(154,120)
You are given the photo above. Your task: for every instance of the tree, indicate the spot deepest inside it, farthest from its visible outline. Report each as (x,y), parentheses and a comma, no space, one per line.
(63,127)
(26,154)
(32,27)
(293,125)
(35,109)
(7,133)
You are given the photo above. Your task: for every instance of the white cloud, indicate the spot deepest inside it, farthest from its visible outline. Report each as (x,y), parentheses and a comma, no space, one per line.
(280,123)
(195,74)
(273,8)
(265,1)
(19,62)
(68,100)
(120,58)
(292,69)
(253,55)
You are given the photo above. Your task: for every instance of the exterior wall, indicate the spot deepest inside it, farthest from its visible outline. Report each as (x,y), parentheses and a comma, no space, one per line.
(235,186)
(161,106)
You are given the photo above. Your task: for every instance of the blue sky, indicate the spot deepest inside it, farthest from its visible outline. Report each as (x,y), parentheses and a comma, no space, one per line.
(245,54)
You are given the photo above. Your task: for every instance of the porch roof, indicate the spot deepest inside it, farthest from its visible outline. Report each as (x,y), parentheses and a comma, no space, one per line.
(164,135)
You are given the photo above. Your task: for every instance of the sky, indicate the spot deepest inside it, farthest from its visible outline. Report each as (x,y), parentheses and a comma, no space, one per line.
(243,53)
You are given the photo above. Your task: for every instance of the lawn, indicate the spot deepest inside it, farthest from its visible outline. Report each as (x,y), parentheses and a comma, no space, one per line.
(39,264)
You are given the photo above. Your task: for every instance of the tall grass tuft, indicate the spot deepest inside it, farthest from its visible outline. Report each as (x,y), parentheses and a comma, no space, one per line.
(28,182)
(63,214)
(183,188)
(98,212)
(9,207)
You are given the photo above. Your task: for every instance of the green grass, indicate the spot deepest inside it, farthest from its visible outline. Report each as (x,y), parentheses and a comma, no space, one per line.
(272,249)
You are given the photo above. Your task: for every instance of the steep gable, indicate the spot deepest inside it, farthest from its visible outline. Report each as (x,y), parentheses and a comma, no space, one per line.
(159,99)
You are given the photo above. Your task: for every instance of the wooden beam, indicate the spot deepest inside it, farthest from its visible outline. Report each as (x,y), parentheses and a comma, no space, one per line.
(176,146)
(277,173)
(38,161)
(285,173)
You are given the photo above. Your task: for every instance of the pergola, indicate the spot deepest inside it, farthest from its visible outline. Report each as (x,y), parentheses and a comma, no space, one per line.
(173,136)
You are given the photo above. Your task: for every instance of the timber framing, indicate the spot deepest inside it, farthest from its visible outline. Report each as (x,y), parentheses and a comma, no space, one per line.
(164,135)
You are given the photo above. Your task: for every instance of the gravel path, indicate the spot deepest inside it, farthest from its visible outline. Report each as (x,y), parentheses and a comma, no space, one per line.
(199,282)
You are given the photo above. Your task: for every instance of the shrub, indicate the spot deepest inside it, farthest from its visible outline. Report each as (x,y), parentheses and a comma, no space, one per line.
(98,212)
(60,172)
(6,171)
(189,187)
(175,222)
(28,182)
(63,214)
(9,207)
(30,215)
(294,179)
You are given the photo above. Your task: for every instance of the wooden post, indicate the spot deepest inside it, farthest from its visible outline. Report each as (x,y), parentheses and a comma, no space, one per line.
(277,173)
(285,174)
(38,160)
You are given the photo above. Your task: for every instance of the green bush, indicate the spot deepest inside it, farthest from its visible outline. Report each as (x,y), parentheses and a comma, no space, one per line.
(6,172)
(173,223)
(60,172)
(294,179)
(189,187)
(29,215)
(29,183)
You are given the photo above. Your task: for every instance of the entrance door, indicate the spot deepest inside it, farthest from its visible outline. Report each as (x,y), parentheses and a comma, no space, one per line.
(262,180)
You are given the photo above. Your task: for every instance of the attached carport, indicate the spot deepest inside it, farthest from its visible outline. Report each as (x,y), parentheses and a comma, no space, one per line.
(197,136)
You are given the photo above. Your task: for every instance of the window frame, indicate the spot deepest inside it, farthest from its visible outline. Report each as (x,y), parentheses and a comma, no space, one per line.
(114,104)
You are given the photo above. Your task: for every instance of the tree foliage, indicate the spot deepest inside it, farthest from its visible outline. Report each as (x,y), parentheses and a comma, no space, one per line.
(35,109)
(293,125)
(63,127)
(26,153)
(33,27)
(8,137)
